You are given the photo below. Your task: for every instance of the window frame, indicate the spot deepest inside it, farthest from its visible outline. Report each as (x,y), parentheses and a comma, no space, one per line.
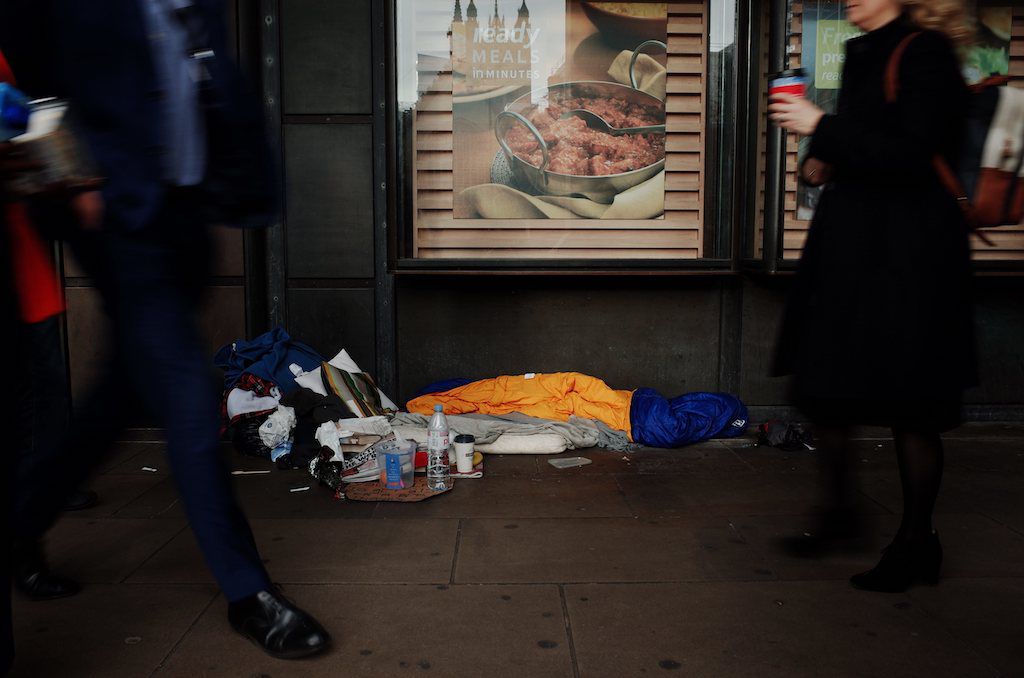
(726,235)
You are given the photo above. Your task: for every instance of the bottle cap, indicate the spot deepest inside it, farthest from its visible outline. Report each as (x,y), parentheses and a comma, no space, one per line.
(439,408)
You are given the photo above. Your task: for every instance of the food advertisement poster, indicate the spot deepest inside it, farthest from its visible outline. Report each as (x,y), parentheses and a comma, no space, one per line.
(547,122)
(825,32)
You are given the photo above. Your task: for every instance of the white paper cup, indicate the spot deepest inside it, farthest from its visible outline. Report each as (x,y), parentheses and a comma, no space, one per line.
(464,454)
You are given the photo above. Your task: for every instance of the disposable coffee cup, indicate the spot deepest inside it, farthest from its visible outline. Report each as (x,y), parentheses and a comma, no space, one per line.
(464,450)
(792,82)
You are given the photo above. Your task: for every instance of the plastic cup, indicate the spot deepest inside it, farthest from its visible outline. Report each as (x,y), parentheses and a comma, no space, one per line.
(396,463)
(464,445)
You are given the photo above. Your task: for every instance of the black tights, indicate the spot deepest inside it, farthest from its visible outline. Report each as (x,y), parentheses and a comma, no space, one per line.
(920,460)
(837,469)
(920,457)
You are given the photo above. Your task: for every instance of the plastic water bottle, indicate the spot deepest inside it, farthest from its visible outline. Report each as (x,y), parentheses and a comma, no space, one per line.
(439,473)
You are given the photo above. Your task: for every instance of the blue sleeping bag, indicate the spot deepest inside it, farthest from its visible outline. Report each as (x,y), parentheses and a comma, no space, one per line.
(690,418)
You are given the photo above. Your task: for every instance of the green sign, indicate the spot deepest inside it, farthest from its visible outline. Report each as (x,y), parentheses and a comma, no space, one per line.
(830,52)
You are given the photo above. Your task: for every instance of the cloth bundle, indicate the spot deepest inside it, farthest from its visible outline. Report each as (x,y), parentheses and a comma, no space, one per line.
(643,416)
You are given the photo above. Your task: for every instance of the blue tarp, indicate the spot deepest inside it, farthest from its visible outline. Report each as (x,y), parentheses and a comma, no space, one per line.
(442,386)
(268,356)
(690,418)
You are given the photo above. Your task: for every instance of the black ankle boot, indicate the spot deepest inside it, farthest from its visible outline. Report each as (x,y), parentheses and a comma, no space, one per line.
(904,562)
(33,578)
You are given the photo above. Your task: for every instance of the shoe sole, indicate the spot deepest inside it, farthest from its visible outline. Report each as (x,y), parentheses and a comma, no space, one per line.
(43,599)
(912,584)
(296,654)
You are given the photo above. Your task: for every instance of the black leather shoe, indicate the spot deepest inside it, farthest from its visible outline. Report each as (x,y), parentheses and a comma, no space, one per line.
(904,563)
(34,579)
(81,500)
(272,622)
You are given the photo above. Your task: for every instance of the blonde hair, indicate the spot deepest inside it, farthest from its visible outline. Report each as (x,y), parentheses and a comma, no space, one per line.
(949,17)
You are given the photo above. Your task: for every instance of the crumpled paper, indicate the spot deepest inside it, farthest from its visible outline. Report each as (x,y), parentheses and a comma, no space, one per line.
(330,436)
(278,427)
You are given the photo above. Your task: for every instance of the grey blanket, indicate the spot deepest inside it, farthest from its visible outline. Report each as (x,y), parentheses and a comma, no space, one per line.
(577,432)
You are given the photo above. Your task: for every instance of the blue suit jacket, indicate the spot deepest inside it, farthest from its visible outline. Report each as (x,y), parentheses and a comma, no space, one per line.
(96,54)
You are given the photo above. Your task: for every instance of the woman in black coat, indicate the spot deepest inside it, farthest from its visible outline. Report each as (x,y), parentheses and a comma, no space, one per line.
(879,328)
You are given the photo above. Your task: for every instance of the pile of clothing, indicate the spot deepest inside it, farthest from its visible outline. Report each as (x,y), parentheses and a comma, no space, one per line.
(279,392)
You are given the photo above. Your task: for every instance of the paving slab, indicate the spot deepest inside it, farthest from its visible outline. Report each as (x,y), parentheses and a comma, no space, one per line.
(161,500)
(325,551)
(963,490)
(707,457)
(152,455)
(759,629)
(106,550)
(144,434)
(986,613)
(387,631)
(725,495)
(997,455)
(265,495)
(270,496)
(105,631)
(973,546)
(122,452)
(519,497)
(875,454)
(604,549)
(512,464)
(115,492)
(982,431)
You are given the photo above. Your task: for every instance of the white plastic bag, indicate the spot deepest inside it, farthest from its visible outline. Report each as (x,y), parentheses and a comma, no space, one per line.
(278,427)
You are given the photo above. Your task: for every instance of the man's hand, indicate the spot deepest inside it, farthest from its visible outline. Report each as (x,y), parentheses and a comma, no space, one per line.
(88,207)
(796,114)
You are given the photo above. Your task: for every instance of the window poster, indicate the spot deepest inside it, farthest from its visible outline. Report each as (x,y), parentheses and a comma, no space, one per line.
(990,54)
(552,116)
(825,32)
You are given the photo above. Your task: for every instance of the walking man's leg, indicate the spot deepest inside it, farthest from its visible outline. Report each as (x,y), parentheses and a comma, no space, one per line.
(162,351)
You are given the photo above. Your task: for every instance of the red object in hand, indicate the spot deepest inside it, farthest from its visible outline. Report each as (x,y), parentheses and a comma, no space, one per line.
(792,82)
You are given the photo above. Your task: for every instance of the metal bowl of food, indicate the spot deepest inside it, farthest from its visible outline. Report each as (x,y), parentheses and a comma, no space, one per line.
(556,153)
(623,24)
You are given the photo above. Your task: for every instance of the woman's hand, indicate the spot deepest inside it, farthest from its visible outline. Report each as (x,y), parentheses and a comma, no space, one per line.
(796,114)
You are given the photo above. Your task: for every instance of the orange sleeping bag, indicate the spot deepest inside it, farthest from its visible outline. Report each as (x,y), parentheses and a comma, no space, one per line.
(548,396)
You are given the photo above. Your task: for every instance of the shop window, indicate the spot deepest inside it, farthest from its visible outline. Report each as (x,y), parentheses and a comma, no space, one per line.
(817,32)
(493,165)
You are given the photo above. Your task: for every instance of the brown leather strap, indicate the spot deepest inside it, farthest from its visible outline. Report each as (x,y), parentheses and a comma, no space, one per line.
(949,180)
(892,69)
(945,173)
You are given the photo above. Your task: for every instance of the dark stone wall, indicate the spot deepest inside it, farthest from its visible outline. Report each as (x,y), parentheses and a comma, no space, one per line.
(666,334)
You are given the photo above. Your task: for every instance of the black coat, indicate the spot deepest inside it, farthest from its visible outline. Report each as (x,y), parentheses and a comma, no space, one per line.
(879,326)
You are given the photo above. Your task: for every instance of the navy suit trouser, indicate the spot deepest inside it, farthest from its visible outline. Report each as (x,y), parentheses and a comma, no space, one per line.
(151,281)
